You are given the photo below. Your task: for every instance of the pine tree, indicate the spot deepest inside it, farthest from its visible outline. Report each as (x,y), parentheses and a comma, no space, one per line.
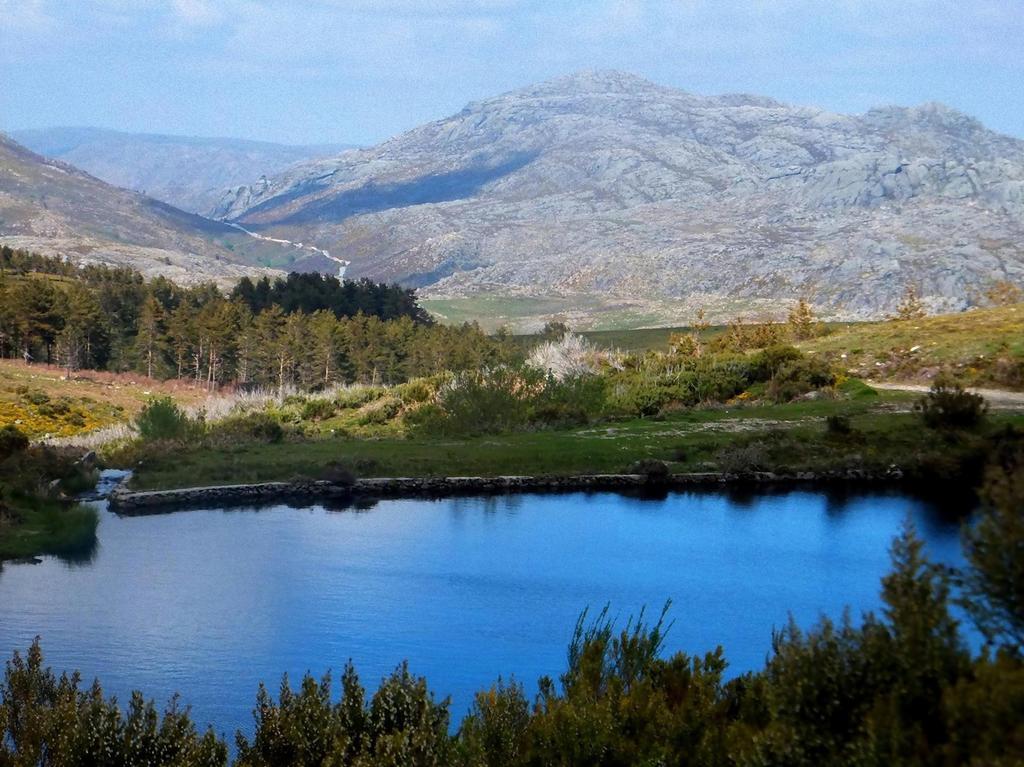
(82,339)
(181,335)
(36,304)
(151,339)
(802,320)
(325,331)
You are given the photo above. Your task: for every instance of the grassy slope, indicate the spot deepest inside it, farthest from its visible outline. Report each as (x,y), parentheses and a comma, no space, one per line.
(689,441)
(98,399)
(967,340)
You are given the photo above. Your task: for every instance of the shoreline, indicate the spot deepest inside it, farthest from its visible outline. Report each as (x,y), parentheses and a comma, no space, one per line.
(127,502)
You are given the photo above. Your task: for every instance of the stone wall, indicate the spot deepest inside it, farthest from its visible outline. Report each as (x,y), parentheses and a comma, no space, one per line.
(125,501)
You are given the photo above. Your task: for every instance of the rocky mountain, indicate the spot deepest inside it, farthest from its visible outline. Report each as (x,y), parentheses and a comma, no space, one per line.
(187,172)
(605,193)
(51,207)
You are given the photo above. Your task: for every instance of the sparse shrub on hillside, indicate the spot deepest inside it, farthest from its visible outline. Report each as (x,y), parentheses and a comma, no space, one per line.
(910,307)
(684,345)
(161,418)
(37,398)
(1004,293)
(802,322)
(949,406)
(743,336)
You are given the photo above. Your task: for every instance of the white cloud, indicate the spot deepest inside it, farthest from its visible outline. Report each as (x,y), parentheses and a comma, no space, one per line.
(197,13)
(24,15)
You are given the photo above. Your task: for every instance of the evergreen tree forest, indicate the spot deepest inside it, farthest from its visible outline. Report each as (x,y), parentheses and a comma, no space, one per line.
(305,330)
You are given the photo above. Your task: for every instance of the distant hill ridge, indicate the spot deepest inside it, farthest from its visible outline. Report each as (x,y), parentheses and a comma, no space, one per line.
(53,208)
(605,187)
(189,172)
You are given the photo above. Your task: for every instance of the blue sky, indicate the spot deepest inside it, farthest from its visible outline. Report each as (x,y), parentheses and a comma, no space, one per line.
(358,71)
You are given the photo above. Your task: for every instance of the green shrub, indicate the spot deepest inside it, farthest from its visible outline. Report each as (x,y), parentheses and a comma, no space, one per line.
(248,427)
(380,410)
(651,468)
(489,401)
(338,473)
(415,391)
(767,363)
(838,425)
(570,402)
(428,418)
(54,720)
(638,394)
(949,406)
(798,377)
(161,418)
(37,398)
(12,440)
(317,409)
(357,396)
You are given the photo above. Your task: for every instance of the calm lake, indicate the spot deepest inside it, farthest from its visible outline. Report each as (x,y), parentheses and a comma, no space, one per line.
(210,602)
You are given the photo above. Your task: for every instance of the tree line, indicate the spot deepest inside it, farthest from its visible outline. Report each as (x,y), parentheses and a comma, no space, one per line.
(305,330)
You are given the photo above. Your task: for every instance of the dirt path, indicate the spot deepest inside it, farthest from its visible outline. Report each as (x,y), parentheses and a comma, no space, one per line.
(997,398)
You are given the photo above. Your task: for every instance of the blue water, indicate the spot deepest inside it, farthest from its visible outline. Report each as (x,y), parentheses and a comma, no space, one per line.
(207,603)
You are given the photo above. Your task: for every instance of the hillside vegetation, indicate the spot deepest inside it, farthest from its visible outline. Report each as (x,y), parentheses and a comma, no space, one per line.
(984,347)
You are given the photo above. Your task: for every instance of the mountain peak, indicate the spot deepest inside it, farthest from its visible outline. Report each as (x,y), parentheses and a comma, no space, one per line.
(599,81)
(591,82)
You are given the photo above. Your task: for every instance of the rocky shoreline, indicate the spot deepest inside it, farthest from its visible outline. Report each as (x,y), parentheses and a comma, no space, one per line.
(129,502)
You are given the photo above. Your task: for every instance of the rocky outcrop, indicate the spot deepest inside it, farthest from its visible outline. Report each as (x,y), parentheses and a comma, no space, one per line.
(607,187)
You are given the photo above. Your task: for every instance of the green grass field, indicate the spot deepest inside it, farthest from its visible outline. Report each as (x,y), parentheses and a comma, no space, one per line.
(792,437)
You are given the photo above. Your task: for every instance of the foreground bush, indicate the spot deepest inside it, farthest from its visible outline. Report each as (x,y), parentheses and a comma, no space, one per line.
(46,720)
(949,406)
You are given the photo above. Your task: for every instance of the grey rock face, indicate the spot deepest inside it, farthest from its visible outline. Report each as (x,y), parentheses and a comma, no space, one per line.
(604,184)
